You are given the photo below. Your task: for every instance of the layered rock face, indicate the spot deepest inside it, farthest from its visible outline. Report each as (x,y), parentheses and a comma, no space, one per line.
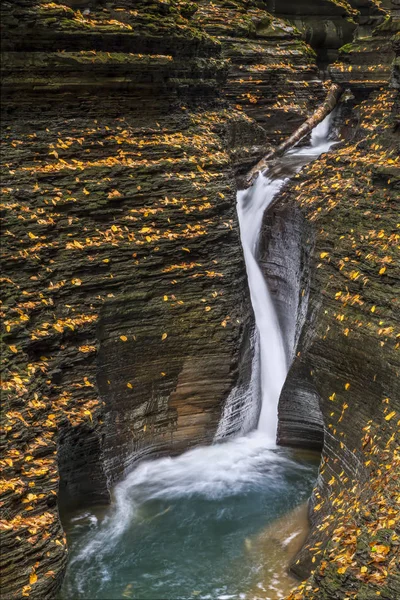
(126,311)
(325,24)
(127,317)
(349,353)
(345,376)
(272,74)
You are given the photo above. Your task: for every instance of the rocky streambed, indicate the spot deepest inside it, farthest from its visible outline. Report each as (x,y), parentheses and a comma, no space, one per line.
(127,319)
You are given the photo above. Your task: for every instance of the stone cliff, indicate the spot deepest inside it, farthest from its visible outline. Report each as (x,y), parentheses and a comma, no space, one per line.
(330,249)
(126,313)
(126,310)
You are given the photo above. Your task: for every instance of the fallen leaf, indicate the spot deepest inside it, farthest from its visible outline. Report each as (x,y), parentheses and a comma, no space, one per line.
(390,415)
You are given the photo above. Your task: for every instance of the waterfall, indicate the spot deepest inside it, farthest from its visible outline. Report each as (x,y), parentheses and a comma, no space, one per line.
(251,207)
(270,362)
(179,524)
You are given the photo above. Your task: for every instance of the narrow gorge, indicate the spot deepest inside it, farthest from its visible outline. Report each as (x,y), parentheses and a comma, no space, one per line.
(177,350)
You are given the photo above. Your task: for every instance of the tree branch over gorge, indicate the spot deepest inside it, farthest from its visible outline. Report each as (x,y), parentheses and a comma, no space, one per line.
(335,91)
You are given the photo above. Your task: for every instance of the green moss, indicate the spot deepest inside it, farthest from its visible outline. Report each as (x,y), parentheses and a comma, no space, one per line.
(346,48)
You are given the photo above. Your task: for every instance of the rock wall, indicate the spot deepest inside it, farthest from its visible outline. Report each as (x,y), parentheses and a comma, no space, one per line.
(351,357)
(325,24)
(347,355)
(126,310)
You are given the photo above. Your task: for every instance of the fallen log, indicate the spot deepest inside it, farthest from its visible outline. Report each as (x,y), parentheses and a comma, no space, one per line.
(322,111)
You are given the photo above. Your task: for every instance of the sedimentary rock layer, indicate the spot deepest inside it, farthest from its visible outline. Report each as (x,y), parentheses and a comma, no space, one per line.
(347,356)
(126,311)
(350,354)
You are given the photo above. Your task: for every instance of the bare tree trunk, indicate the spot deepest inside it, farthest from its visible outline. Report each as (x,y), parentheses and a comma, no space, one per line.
(322,111)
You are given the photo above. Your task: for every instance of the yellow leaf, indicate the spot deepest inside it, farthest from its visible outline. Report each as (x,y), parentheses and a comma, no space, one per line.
(364,569)
(114,228)
(32,236)
(207,308)
(129,385)
(347,385)
(165,298)
(13,349)
(324,254)
(342,570)
(164,336)
(382,270)
(186,249)
(373,309)
(114,194)
(76,282)
(390,415)
(32,578)
(123,338)
(86,192)
(381,549)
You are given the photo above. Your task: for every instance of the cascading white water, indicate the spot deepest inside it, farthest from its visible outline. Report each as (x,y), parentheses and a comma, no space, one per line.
(181,524)
(241,410)
(252,205)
